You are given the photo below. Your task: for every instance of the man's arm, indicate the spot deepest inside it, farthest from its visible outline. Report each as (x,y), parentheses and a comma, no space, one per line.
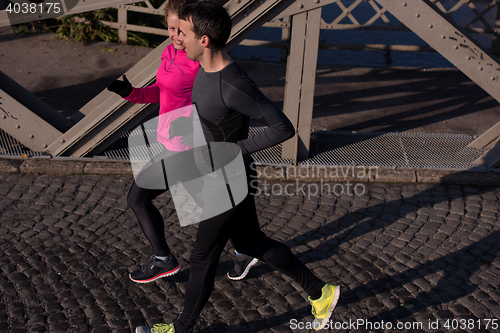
(246,98)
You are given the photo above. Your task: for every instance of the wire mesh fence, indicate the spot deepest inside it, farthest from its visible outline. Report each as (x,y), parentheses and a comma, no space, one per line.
(414,150)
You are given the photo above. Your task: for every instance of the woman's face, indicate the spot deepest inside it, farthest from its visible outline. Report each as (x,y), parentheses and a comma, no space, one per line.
(173,30)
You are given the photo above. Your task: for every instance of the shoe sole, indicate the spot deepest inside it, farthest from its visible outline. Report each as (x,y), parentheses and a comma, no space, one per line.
(159,276)
(331,308)
(245,272)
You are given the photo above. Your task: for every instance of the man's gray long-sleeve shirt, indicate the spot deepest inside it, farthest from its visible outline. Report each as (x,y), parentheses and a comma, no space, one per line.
(227,99)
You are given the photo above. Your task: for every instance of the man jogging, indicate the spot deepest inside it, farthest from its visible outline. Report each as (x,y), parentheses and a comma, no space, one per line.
(226,99)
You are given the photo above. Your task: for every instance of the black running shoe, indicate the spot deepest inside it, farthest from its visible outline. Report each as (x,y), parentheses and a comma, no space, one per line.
(242,265)
(156,269)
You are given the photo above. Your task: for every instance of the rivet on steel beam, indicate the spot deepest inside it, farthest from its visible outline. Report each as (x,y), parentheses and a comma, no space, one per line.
(455,47)
(430,26)
(417,15)
(404,4)
(492,78)
(468,57)
(45,146)
(237,1)
(4,116)
(480,68)
(316,1)
(17,126)
(31,136)
(300,5)
(443,36)
(63,141)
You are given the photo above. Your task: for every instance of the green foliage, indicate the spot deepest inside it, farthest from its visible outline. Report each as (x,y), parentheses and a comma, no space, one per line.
(21,29)
(27,28)
(85,27)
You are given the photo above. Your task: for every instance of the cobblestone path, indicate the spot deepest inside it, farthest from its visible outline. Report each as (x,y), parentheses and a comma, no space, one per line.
(404,255)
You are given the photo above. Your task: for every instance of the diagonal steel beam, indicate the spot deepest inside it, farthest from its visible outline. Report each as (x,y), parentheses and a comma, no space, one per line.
(300,6)
(28,119)
(106,111)
(250,15)
(28,128)
(487,139)
(22,11)
(450,40)
(492,158)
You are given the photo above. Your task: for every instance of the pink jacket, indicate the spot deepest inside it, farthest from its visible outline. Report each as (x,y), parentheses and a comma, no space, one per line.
(172,89)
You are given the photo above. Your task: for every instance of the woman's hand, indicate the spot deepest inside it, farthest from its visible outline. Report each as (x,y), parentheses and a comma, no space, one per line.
(122,88)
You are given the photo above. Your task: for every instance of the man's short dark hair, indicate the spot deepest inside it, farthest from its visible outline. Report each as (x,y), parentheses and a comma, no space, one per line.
(209,18)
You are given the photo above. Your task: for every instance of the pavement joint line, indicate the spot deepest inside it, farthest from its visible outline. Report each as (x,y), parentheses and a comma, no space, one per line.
(271,173)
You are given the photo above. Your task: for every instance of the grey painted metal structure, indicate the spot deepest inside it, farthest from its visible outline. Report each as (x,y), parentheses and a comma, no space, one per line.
(491,140)
(453,42)
(28,119)
(107,116)
(37,125)
(299,90)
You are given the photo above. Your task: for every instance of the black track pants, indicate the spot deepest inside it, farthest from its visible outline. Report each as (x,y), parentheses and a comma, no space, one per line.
(241,225)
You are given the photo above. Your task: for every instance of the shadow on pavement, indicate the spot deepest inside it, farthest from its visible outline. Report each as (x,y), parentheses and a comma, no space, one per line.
(422,277)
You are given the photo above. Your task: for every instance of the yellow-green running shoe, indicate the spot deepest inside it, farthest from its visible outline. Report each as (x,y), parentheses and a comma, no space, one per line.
(158,328)
(322,308)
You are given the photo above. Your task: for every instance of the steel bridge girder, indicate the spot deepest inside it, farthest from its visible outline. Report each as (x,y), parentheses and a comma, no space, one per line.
(440,32)
(41,11)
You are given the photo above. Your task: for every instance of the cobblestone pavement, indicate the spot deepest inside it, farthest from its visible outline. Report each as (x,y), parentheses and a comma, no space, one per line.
(403,254)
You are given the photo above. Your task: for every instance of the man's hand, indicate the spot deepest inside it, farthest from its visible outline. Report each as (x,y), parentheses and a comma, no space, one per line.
(187,140)
(122,88)
(182,126)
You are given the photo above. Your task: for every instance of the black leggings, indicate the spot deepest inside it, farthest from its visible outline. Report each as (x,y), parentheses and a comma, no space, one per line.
(140,197)
(239,224)
(149,217)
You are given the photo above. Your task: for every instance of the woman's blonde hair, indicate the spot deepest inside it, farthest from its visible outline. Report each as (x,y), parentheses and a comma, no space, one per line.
(174,6)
